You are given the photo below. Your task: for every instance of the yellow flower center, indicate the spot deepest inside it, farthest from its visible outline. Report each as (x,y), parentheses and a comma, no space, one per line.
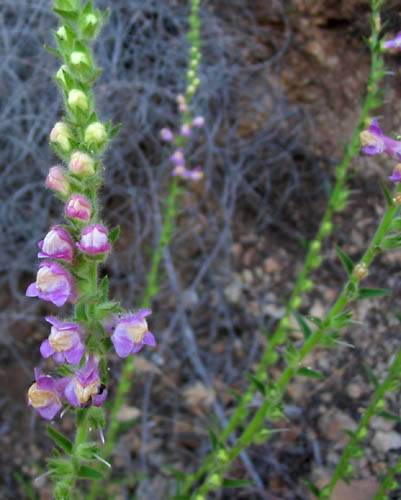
(46,280)
(137,332)
(84,393)
(60,341)
(39,397)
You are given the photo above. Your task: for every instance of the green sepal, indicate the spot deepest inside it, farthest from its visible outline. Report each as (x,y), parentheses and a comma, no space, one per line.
(60,467)
(370,293)
(54,52)
(312,487)
(346,261)
(80,312)
(60,440)
(87,451)
(301,320)
(308,372)
(341,320)
(113,130)
(104,288)
(86,472)
(237,483)
(114,234)
(96,417)
(213,439)
(68,15)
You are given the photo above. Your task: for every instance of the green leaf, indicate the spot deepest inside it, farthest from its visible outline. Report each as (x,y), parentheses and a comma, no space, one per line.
(312,487)
(260,386)
(80,312)
(341,320)
(51,50)
(371,376)
(96,417)
(114,234)
(69,15)
(104,288)
(87,451)
(391,242)
(86,472)
(60,440)
(236,483)
(346,261)
(213,439)
(370,293)
(307,332)
(389,416)
(308,372)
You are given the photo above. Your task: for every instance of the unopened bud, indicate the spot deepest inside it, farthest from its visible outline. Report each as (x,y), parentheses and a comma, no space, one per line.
(96,134)
(326,228)
(57,181)
(198,122)
(222,456)
(166,135)
(78,58)
(60,77)
(62,33)
(186,130)
(316,245)
(60,135)
(82,164)
(214,481)
(78,100)
(91,20)
(361,271)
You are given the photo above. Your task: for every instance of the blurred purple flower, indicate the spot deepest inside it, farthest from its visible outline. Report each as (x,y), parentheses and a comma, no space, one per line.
(166,135)
(375,142)
(57,244)
(53,283)
(395,43)
(64,342)
(131,333)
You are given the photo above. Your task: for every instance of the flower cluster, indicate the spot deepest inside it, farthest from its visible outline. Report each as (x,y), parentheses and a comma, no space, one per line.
(72,251)
(179,140)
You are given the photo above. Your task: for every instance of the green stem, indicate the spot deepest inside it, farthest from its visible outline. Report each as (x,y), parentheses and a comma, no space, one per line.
(352,450)
(270,404)
(388,482)
(303,283)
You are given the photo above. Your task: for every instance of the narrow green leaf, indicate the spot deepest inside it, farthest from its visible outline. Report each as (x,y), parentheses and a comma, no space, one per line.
(308,372)
(345,260)
(213,439)
(391,242)
(236,483)
(260,386)
(387,194)
(370,293)
(312,487)
(69,15)
(104,288)
(371,376)
(60,440)
(390,416)
(80,312)
(86,472)
(307,332)
(87,451)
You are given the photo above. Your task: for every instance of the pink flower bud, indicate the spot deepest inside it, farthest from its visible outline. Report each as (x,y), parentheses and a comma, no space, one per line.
(82,164)
(178,158)
(166,135)
(78,207)
(198,122)
(57,244)
(57,181)
(61,136)
(94,240)
(186,130)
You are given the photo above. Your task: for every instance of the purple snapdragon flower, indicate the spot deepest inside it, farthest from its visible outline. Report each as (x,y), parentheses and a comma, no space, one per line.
(178,158)
(395,43)
(374,142)
(94,240)
(195,174)
(57,180)
(54,284)
(57,244)
(131,333)
(64,342)
(166,135)
(45,395)
(396,175)
(85,386)
(78,207)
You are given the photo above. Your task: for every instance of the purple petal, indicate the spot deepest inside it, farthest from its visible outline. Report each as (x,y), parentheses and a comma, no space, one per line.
(46,350)
(50,411)
(137,347)
(122,344)
(32,290)
(99,399)
(46,383)
(371,150)
(70,395)
(149,339)
(74,355)
(374,127)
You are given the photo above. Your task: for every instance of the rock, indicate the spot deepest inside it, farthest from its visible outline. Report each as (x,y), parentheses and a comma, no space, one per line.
(354,391)
(271,265)
(382,424)
(233,291)
(333,425)
(386,441)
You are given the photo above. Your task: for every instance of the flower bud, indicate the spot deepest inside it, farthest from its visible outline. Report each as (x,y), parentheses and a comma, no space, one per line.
(82,164)
(57,244)
(57,181)
(91,20)
(396,175)
(178,158)
(186,130)
(62,33)
(96,134)
(214,481)
(60,77)
(78,207)
(198,122)
(166,135)
(79,58)
(94,240)
(397,199)
(61,135)
(361,271)
(78,100)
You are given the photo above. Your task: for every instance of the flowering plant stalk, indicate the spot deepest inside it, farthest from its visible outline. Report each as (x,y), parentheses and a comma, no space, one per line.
(325,334)
(79,343)
(179,140)
(388,482)
(354,448)
(336,203)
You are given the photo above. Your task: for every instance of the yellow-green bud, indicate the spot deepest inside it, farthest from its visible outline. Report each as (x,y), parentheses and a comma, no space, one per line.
(316,245)
(326,228)
(397,198)
(222,456)
(91,20)
(78,100)
(62,33)
(214,481)
(60,75)
(61,135)
(82,164)
(78,58)
(361,271)
(95,134)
